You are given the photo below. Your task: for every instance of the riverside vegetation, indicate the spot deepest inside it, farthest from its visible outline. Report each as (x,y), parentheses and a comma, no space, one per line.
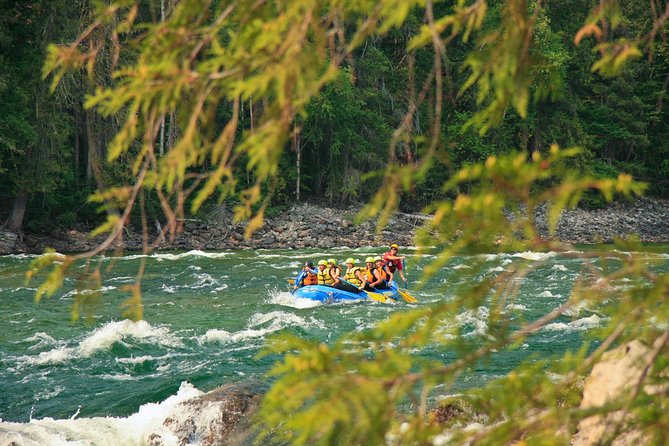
(224,98)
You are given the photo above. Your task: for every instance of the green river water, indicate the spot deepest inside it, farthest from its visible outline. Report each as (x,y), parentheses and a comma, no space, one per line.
(207,315)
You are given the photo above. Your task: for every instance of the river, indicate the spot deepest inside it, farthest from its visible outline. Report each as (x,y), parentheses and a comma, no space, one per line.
(207,315)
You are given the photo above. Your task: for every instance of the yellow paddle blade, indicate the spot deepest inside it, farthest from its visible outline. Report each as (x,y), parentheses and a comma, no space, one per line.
(407,297)
(291,281)
(377,297)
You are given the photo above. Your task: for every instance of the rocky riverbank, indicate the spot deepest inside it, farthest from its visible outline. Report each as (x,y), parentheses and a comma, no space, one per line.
(306,225)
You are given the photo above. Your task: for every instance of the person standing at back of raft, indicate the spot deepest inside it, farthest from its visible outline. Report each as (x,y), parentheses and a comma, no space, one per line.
(308,276)
(324,277)
(394,262)
(354,279)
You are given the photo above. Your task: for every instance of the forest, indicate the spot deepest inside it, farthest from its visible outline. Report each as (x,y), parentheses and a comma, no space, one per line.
(54,147)
(476,113)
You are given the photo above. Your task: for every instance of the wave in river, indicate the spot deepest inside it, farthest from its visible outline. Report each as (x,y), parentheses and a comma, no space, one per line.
(135,429)
(260,325)
(102,339)
(582,324)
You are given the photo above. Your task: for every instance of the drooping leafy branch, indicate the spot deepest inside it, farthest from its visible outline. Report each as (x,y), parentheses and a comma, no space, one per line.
(208,58)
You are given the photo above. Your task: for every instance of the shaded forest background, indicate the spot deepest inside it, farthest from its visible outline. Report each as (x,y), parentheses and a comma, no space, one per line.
(53,150)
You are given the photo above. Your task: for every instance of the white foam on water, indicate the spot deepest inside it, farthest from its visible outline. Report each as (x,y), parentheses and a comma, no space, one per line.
(49,393)
(258,327)
(497,269)
(104,337)
(102,290)
(41,340)
(286,299)
(281,319)
(559,267)
(225,337)
(120,377)
(462,266)
(583,324)
(121,279)
(478,319)
(135,359)
(21,256)
(547,293)
(516,307)
(536,256)
(490,257)
(575,310)
(191,253)
(168,289)
(23,288)
(132,430)
(55,356)
(203,280)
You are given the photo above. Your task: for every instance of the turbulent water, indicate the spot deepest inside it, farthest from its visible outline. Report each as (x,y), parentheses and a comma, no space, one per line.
(207,315)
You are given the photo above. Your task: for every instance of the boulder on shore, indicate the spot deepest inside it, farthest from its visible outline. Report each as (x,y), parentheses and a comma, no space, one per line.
(615,376)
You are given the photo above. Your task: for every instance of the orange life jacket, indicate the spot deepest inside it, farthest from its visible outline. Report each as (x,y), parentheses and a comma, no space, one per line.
(369,275)
(310,279)
(383,273)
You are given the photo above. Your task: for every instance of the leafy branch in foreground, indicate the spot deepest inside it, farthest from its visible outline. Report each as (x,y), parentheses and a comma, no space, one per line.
(203,62)
(363,378)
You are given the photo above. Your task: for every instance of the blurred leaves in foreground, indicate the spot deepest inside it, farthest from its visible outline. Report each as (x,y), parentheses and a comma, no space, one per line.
(207,59)
(348,393)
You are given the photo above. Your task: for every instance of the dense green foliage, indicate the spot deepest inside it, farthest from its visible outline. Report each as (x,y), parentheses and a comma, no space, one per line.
(53,151)
(459,108)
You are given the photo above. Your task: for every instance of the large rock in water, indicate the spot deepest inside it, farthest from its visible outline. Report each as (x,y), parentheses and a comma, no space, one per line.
(220,417)
(615,375)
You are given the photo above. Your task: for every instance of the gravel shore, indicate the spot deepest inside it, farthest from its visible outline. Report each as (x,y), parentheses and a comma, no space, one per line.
(306,225)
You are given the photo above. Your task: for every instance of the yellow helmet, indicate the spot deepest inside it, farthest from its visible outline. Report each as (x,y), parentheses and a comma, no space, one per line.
(332,261)
(369,260)
(350,260)
(395,245)
(376,259)
(323,262)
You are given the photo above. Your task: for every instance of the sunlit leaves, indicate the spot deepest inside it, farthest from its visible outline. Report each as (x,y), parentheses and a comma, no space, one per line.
(615,56)
(207,58)
(497,214)
(465,19)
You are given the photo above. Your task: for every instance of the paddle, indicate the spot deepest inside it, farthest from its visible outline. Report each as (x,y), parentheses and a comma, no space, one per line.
(407,297)
(375,296)
(406,282)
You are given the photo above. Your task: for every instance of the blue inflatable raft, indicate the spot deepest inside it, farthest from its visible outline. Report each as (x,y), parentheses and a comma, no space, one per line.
(324,293)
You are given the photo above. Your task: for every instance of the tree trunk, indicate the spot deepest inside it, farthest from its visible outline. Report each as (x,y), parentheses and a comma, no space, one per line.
(91,154)
(172,133)
(77,149)
(251,113)
(161,145)
(298,149)
(15,220)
